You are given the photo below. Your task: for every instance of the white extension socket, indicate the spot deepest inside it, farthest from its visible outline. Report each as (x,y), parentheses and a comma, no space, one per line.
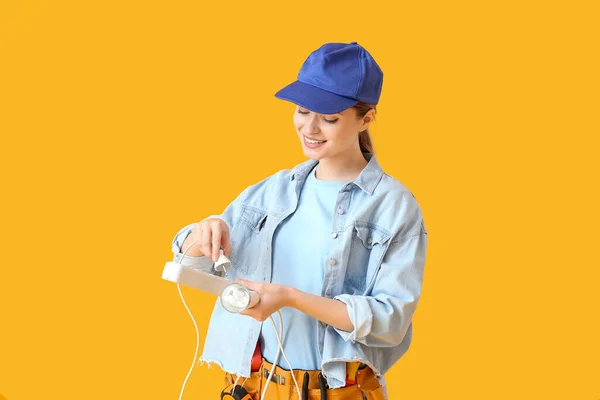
(234,296)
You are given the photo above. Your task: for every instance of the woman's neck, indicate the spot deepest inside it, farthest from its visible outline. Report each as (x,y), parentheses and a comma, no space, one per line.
(342,167)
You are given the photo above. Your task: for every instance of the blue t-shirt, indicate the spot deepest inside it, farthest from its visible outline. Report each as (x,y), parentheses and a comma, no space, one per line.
(300,250)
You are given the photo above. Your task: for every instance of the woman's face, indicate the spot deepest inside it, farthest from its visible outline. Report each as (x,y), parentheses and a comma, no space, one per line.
(335,133)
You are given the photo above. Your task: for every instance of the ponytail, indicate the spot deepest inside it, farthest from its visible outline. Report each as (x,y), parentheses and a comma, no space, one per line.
(364,138)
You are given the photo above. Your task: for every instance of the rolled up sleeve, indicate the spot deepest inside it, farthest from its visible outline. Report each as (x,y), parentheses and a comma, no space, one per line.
(382,318)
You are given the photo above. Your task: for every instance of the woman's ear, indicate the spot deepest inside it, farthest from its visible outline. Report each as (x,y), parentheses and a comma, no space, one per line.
(367,119)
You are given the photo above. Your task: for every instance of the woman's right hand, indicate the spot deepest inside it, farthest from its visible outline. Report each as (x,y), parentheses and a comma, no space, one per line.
(209,235)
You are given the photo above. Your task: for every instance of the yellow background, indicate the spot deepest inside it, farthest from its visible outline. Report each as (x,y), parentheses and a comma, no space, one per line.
(123,121)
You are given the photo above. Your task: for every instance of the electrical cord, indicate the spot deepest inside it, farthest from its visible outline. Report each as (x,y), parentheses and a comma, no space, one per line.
(197,341)
(276,356)
(276,360)
(277,334)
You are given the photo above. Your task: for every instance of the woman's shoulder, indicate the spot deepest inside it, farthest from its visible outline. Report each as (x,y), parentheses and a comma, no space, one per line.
(398,205)
(394,189)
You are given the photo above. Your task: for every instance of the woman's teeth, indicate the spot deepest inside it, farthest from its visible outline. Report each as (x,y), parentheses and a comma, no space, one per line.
(314,141)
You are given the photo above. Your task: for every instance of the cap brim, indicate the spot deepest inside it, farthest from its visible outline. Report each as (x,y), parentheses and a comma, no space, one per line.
(314,98)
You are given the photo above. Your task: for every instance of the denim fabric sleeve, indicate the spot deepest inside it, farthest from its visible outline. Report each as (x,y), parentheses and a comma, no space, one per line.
(382,318)
(202,262)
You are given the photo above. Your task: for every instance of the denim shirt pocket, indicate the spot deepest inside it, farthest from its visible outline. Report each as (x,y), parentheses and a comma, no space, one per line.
(246,238)
(367,246)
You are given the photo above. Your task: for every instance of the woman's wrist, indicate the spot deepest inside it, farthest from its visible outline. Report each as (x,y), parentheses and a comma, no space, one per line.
(291,296)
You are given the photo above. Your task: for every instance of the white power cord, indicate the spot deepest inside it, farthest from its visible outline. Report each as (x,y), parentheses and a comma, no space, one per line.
(197,341)
(280,348)
(277,334)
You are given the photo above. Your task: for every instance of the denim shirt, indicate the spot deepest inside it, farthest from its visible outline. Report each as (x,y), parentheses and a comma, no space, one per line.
(375,266)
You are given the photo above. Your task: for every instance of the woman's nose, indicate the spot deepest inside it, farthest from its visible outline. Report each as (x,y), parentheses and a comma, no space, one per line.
(310,126)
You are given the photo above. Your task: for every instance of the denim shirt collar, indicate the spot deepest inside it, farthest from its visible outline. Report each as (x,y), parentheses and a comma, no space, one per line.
(367,180)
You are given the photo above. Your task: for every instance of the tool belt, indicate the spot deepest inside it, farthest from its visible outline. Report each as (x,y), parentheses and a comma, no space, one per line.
(312,385)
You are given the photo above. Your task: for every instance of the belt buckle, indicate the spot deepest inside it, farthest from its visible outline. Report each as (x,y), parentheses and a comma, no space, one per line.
(280,380)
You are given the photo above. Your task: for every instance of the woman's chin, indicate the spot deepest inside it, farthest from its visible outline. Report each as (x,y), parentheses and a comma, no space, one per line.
(313,154)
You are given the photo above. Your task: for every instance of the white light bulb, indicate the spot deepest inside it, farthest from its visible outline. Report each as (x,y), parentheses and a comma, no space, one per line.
(235,298)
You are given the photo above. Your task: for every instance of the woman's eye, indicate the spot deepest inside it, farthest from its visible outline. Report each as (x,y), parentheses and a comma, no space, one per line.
(330,121)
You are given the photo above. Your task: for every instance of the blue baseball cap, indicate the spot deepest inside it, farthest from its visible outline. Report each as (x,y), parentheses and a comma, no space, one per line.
(335,77)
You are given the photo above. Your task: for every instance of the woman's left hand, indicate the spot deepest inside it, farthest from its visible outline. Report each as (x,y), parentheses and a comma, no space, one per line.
(272,298)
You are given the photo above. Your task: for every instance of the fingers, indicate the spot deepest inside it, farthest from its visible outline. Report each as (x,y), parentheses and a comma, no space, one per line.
(257,287)
(244,282)
(216,241)
(197,236)
(226,241)
(196,230)
(205,239)
(209,235)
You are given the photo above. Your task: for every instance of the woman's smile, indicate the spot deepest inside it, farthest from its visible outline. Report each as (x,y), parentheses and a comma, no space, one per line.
(313,144)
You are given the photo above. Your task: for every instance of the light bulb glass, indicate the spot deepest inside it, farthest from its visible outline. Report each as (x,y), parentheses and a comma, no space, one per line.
(235,298)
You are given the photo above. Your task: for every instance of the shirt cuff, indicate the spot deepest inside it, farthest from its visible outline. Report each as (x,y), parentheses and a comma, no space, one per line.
(360,314)
(180,238)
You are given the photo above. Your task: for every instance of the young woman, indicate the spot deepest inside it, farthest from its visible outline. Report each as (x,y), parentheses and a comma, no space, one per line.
(335,244)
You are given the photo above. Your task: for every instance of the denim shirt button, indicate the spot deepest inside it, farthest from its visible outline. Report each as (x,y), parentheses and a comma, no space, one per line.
(334,235)
(369,240)
(332,261)
(340,211)
(328,293)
